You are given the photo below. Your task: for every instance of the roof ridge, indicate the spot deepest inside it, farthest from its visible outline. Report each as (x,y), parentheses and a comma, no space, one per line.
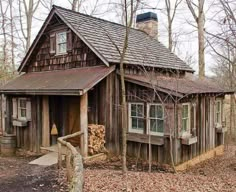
(112,22)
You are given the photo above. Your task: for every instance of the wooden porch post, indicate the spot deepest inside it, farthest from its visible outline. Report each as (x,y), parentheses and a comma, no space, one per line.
(46,126)
(3,110)
(8,128)
(84,123)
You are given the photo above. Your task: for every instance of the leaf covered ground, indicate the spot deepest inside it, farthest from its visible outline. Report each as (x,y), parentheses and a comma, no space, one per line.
(218,174)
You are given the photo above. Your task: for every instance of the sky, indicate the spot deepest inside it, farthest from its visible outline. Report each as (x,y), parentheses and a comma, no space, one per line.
(183,28)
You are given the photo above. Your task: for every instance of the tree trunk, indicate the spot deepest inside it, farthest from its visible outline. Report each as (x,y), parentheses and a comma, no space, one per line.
(4,47)
(12,37)
(201,42)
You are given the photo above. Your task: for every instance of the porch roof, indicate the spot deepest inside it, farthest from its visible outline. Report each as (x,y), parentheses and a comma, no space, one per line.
(61,82)
(179,87)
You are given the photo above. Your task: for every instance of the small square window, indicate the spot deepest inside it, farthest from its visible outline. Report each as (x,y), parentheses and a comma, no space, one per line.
(186,117)
(156,119)
(61,42)
(136,118)
(22,105)
(218,111)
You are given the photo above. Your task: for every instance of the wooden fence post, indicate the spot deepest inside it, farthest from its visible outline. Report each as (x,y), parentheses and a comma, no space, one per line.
(59,155)
(84,123)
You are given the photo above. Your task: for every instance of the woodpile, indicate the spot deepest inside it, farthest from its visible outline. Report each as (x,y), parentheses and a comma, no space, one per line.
(96,139)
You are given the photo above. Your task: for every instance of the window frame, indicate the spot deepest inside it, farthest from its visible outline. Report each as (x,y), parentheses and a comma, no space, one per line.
(220,111)
(156,118)
(188,128)
(58,44)
(19,108)
(130,129)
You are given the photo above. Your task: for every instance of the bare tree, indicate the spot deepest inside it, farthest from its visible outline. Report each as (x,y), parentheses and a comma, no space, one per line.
(27,14)
(12,35)
(223,44)
(3,26)
(171,12)
(199,18)
(128,23)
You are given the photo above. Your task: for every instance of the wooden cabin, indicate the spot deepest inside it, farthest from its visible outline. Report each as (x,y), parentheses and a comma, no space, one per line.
(70,78)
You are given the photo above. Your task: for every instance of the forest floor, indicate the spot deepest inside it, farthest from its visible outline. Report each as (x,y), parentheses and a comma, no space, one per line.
(217,174)
(16,175)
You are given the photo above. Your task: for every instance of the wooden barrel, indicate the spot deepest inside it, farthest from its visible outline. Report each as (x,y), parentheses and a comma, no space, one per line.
(8,145)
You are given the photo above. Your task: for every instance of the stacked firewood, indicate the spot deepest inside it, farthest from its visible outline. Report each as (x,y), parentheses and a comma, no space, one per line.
(96,139)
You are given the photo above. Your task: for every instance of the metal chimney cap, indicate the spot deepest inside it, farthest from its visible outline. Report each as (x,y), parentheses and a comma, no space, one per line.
(146,17)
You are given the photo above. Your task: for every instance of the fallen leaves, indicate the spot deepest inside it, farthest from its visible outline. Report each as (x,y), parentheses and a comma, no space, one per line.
(216,174)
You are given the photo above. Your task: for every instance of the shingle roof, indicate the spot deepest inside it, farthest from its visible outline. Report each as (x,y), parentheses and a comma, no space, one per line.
(178,86)
(64,82)
(105,37)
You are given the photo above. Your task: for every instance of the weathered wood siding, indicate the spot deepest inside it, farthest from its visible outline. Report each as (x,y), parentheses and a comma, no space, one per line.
(78,55)
(202,125)
(30,137)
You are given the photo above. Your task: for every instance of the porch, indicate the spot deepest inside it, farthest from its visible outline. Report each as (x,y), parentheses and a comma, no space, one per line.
(39,107)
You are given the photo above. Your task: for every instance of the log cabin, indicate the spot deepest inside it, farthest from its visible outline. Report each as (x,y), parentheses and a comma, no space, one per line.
(70,78)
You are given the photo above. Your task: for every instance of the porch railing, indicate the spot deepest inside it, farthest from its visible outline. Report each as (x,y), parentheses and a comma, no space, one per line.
(74,163)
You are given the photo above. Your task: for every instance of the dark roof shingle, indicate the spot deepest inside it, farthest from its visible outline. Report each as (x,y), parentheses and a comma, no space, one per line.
(105,37)
(184,86)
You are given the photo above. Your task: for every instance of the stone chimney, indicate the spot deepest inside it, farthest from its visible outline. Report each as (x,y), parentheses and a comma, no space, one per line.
(148,23)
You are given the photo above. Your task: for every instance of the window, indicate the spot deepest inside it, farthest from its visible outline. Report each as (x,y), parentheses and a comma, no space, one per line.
(22,106)
(61,42)
(136,117)
(156,119)
(218,111)
(186,117)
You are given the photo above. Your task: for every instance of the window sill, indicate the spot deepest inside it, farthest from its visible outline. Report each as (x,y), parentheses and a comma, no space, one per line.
(189,141)
(185,135)
(144,138)
(136,131)
(221,129)
(19,122)
(60,54)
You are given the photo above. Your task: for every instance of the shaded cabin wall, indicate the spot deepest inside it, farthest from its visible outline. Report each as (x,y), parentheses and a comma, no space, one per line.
(64,111)
(104,109)
(202,126)
(78,54)
(28,137)
(160,152)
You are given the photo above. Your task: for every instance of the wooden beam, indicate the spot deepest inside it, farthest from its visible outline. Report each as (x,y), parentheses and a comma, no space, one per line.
(8,116)
(46,126)
(3,102)
(39,123)
(84,123)
(143,138)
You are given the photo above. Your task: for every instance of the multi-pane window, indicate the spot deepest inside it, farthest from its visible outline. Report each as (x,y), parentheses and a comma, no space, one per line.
(218,112)
(156,119)
(22,108)
(61,42)
(136,117)
(185,118)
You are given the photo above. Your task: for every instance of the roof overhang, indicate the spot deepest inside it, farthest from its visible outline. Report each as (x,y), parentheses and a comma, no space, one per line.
(179,87)
(62,82)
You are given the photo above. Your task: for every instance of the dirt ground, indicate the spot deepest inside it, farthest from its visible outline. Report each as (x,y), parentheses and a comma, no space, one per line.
(218,174)
(16,175)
